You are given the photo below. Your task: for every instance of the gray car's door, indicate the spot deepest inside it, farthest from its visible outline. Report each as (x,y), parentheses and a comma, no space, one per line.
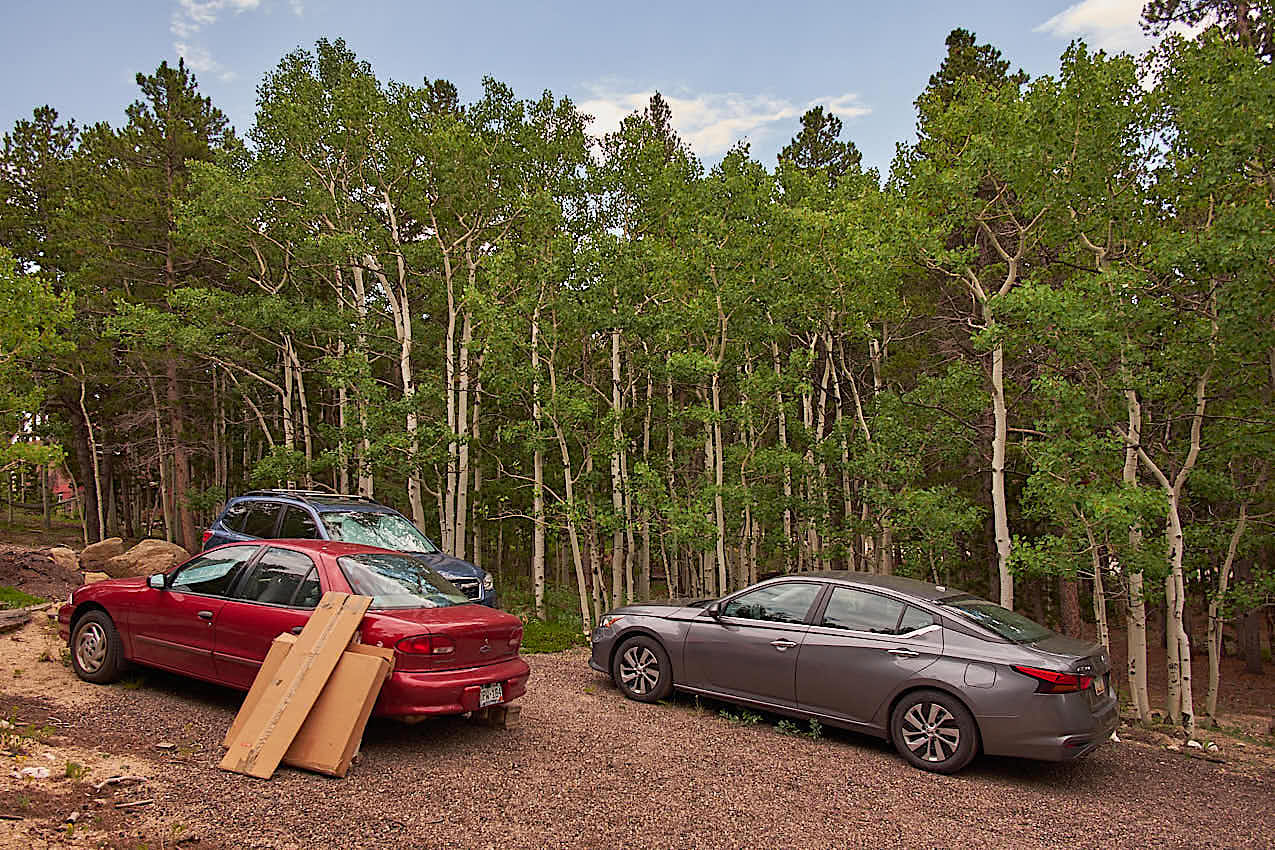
(863,646)
(750,650)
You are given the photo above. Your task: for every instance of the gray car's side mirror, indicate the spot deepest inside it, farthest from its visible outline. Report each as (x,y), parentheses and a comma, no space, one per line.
(715,610)
(157,581)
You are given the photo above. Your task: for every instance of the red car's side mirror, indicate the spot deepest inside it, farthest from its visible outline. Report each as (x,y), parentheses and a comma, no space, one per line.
(158,581)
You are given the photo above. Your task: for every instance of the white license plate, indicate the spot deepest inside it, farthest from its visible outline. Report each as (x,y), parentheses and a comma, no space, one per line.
(490,694)
(1099,686)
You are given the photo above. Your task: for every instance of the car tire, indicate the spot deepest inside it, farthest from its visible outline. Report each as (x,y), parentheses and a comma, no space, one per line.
(934,731)
(97,653)
(641,669)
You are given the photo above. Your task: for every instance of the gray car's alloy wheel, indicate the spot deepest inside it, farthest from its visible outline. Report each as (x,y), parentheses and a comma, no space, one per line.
(97,653)
(641,669)
(933,731)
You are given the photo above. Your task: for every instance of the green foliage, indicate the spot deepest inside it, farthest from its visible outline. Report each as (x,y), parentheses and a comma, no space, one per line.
(549,636)
(11,597)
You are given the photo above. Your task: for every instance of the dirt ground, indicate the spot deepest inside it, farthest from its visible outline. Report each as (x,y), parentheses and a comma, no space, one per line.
(31,571)
(586,768)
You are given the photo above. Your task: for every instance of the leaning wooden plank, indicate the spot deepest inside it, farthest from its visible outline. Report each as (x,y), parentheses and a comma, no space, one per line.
(330,736)
(266,674)
(269,730)
(270,667)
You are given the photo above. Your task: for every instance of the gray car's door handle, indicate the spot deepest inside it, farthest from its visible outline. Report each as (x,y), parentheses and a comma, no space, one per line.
(782,644)
(905,653)
(205,615)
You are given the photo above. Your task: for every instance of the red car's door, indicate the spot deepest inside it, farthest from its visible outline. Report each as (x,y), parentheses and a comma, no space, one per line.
(275,595)
(173,628)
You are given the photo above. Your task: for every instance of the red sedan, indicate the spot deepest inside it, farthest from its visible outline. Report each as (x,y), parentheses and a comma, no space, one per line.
(215,616)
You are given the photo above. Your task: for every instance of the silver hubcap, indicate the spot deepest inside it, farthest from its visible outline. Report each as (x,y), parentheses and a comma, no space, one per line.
(90,648)
(931,732)
(639,670)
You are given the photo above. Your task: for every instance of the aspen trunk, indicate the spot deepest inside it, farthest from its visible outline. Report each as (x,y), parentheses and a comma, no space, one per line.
(573,534)
(538,484)
(617,497)
(782,425)
(1136,624)
(97,474)
(477,534)
(719,513)
(644,564)
(1000,509)
(1215,616)
(1099,594)
(461,506)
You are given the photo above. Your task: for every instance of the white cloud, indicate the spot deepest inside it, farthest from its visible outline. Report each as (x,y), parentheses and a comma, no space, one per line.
(1111,25)
(191,16)
(711,121)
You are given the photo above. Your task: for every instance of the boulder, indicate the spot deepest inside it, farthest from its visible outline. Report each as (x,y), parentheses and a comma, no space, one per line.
(65,559)
(94,578)
(146,558)
(95,555)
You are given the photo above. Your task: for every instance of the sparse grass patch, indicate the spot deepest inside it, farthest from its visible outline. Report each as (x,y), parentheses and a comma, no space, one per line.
(11,597)
(75,770)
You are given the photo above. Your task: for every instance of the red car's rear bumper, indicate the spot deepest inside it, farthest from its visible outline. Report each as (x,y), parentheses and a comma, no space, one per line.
(449,691)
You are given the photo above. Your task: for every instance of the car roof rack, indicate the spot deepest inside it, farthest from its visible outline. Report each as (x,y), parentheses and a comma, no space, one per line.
(311,494)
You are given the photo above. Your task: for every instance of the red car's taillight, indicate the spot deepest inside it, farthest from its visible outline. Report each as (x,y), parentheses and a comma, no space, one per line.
(515,638)
(426,645)
(1053,682)
(207,534)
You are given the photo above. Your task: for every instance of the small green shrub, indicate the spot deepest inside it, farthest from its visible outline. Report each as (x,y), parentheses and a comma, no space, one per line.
(787,727)
(75,770)
(744,717)
(539,636)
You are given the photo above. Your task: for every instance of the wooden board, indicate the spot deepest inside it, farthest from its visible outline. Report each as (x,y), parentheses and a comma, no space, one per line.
(330,736)
(291,692)
(279,649)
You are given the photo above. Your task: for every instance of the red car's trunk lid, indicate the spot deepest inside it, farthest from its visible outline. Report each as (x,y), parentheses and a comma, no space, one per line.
(476,634)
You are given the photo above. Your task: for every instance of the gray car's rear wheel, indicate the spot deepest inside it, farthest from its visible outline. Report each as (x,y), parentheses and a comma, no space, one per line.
(933,731)
(97,653)
(641,669)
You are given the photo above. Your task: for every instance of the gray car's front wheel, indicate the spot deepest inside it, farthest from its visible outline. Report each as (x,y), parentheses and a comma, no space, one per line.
(641,669)
(934,731)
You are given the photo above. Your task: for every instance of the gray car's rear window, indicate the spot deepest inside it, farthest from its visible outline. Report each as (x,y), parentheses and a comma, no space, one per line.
(1010,625)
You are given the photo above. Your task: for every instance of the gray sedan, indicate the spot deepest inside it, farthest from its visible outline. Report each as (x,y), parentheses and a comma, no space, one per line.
(940,673)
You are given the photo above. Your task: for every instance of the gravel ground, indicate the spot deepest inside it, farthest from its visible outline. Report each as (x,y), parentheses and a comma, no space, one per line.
(587,768)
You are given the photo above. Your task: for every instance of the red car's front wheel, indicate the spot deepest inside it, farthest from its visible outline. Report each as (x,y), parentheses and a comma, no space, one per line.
(97,653)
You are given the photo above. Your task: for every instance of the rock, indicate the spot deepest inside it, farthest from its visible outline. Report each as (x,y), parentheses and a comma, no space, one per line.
(1174,748)
(1212,747)
(65,559)
(94,578)
(165,745)
(95,555)
(144,559)
(1195,745)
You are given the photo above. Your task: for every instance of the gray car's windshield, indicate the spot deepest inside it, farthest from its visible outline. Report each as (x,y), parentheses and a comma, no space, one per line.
(398,581)
(1002,621)
(387,531)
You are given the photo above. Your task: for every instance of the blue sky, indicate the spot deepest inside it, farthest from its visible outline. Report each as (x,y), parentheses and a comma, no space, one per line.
(731,70)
